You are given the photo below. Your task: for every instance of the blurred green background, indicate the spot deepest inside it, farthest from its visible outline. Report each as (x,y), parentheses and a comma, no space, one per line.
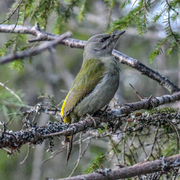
(53,72)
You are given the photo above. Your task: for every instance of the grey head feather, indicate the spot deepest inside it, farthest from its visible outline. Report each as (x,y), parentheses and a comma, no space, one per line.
(100,45)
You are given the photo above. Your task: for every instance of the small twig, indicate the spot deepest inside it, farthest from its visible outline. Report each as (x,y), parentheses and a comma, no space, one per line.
(131,153)
(7,150)
(55,153)
(65,147)
(176,131)
(80,155)
(142,145)
(169,23)
(136,91)
(109,17)
(123,150)
(26,155)
(133,4)
(155,138)
(132,140)
(90,139)
(12,13)
(12,92)
(16,18)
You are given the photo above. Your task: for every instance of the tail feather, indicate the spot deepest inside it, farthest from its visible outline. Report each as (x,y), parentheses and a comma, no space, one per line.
(69,147)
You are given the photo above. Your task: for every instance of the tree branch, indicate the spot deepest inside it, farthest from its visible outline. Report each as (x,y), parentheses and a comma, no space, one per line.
(12,92)
(147,103)
(12,13)
(36,50)
(134,63)
(33,30)
(74,43)
(127,172)
(36,135)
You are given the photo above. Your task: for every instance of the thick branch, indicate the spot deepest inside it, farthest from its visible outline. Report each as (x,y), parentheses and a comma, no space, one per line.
(148,103)
(36,50)
(136,170)
(44,36)
(134,63)
(37,135)
(33,30)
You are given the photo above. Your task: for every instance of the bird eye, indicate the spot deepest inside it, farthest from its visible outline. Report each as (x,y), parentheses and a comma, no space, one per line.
(102,40)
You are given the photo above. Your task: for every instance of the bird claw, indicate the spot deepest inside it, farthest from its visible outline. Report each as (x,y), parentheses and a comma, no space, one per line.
(89,116)
(163,163)
(104,172)
(116,112)
(66,140)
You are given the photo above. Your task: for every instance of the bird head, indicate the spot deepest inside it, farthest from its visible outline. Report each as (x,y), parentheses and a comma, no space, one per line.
(101,45)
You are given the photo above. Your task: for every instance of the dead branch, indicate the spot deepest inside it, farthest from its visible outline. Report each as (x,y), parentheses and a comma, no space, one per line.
(13,12)
(36,135)
(12,92)
(33,30)
(74,43)
(164,164)
(36,50)
(147,103)
(134,63)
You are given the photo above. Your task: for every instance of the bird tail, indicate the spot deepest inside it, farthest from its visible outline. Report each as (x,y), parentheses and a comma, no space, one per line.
(69,140)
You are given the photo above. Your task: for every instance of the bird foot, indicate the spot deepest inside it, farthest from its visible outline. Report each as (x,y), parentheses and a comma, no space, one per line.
(104,172)
(89,116)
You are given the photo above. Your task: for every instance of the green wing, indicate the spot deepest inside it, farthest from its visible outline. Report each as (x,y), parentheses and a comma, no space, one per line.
(88,77)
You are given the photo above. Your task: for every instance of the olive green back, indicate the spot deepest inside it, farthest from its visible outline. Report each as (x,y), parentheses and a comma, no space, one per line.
(88,77)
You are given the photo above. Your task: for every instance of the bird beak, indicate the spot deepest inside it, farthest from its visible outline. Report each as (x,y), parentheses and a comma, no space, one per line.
(116,36)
